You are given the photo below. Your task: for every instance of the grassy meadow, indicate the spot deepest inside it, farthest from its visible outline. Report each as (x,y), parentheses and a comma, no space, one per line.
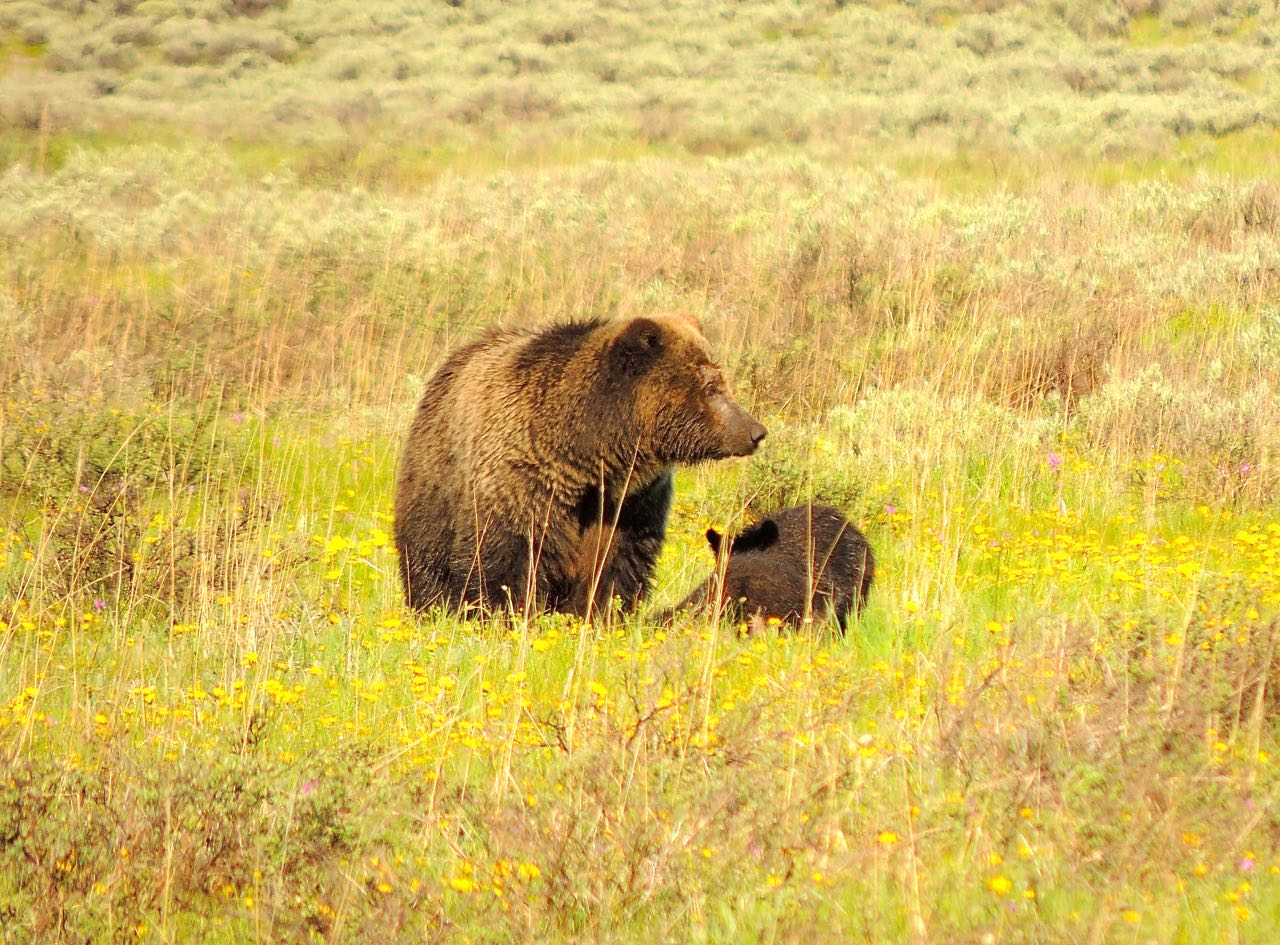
(1003,280)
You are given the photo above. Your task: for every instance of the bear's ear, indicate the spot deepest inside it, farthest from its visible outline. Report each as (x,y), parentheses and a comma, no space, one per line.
(713,539)
(758,537)
(691,320)
(638,346)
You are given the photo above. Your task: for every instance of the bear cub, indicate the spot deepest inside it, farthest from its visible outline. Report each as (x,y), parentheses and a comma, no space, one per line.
(802,561)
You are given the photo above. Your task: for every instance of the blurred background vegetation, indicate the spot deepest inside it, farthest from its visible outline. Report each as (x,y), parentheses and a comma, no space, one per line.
(310,198)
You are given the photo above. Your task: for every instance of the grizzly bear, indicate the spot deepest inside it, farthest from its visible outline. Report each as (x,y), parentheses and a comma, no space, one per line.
(800,562)
(538,469)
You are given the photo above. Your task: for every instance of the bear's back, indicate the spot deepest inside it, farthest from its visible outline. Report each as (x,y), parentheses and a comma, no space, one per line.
(768,585)
(820,536)
(819,554)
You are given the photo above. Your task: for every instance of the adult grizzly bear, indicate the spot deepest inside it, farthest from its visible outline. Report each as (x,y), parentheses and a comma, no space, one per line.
(541,461)
(805,560)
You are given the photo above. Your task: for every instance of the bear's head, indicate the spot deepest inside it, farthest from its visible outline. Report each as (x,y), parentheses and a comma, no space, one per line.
(760,585)
(680,405)
(763,534)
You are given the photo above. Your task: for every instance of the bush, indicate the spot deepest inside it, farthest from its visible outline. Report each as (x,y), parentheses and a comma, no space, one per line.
(1223,444)
(94,474)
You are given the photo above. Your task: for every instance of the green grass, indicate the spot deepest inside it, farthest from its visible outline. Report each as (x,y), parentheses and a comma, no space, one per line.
(14,49)
(1153,30)
(315,684)
(1245,154)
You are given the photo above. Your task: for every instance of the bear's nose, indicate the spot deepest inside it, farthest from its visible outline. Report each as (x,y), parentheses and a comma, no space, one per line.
(758,433)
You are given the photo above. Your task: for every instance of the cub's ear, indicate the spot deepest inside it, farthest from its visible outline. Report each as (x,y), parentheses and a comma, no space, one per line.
(758,537)
(638,345)
(713,539)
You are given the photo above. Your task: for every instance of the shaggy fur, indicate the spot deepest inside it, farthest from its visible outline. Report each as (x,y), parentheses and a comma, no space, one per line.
(540,462)
(802,561)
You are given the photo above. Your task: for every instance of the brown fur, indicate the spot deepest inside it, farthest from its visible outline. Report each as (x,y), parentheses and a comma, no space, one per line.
(542,461)
(800,562)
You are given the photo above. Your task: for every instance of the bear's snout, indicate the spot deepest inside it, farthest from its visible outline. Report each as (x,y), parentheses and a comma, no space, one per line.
(743,432)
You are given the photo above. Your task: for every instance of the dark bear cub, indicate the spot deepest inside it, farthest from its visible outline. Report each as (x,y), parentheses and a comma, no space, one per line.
(538,468)
(802,561)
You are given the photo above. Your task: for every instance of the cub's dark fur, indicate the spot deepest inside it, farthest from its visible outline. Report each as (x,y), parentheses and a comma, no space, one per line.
(802,561)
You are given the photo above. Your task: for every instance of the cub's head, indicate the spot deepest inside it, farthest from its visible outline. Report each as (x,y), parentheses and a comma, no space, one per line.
(678,398)
(763,534)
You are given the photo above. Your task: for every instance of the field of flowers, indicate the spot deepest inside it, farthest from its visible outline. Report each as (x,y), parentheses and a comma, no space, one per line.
(1002,280)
